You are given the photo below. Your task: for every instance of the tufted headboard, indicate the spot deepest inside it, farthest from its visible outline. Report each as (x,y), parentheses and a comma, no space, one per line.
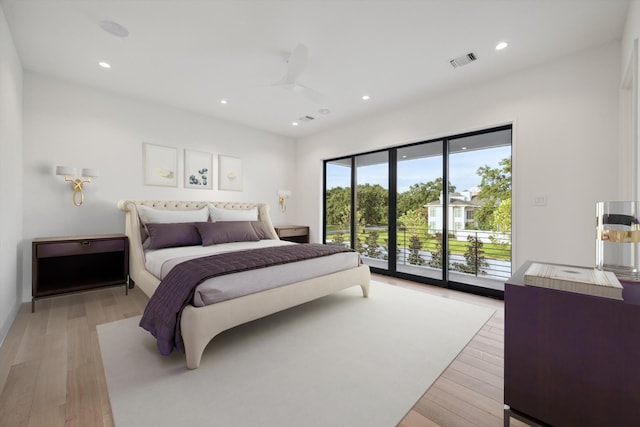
(137,234)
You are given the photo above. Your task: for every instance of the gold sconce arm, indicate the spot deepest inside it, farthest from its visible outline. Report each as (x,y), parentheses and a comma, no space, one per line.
(77,189)
(283,195)
(77,183)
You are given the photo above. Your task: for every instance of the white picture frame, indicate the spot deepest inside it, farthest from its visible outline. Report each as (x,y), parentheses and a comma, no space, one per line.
(198,170)
(160,165)
(229,173)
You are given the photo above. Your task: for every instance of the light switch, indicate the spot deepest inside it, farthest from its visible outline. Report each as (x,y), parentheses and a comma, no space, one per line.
(540,200)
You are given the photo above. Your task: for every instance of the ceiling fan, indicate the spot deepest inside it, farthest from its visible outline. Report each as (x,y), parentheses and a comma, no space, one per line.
(296,63)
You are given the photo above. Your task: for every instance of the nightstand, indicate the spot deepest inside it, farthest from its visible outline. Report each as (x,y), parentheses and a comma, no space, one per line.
(62,265)
(293,233)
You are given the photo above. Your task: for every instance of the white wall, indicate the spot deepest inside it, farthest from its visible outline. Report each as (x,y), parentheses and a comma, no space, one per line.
(631,29)
(630,113)
(10,178)
(565,146)
(72,125)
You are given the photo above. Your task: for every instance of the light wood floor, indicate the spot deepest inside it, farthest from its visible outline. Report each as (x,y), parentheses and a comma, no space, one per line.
(51,371)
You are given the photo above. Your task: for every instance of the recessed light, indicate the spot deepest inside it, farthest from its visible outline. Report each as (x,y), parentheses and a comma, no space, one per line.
(294,124)
(501,45)
(464,148)
(366,97)
(223,101)
(104,64)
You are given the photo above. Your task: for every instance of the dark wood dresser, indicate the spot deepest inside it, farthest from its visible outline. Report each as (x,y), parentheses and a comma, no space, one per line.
(571,359)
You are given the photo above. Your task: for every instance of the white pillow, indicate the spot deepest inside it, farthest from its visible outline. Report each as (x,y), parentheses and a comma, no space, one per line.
(220,215)
(152,215)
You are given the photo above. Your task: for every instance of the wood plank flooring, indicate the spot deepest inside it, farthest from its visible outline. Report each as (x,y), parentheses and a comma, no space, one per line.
(51,371)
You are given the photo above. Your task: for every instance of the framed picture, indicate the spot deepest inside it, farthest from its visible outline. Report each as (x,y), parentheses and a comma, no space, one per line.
(198,167)
(160,165)
(230,173)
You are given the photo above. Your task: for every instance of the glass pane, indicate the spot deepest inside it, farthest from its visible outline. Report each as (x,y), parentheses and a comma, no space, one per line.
(338,202)
(480,209)
(372,208)
(419,210)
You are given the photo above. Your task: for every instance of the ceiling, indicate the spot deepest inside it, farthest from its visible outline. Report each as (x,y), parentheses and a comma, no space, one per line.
(192,54)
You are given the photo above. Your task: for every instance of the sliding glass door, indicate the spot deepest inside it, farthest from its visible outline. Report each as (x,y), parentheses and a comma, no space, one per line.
(372,208)
(479,225)
(405,222)
(337,202)
(419,233)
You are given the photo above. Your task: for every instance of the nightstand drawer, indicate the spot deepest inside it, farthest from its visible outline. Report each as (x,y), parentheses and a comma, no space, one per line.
(293,233)
(289,232)
(79,247)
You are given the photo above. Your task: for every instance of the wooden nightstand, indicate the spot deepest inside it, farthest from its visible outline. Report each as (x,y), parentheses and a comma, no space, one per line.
(63,265)
(293,233)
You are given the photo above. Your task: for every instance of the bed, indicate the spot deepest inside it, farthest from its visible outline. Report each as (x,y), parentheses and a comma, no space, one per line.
(200,321)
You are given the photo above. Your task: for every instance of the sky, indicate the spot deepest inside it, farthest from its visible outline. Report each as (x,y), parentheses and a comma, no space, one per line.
(462,170)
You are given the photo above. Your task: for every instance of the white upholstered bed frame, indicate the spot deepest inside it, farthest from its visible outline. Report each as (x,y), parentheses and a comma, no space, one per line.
(200,324)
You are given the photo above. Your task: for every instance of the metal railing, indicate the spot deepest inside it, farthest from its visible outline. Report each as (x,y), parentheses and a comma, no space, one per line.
(471,252)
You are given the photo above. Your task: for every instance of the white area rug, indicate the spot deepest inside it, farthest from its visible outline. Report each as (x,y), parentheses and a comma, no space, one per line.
(342,360)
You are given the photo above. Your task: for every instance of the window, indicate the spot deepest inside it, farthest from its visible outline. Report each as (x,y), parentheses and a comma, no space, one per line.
(396,211)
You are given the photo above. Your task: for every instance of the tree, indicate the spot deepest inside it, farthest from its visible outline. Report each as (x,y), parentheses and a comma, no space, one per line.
(420,194)
(474,257)
(502,216)
(338,237)
(415,246)
(372,204)
(436,254)
(338,201)
(372,250)
(414,222)
(495,187)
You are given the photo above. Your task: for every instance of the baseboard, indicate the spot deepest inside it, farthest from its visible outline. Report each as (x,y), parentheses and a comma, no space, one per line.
(8,321)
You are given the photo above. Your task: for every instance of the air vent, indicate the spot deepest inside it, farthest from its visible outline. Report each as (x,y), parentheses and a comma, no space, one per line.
(463,60)
(306,119)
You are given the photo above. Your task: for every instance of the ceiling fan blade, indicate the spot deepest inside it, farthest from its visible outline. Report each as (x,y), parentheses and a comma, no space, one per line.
(311,94)
(297,62)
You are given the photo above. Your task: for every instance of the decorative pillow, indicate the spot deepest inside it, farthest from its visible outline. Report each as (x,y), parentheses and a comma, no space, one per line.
(261,230)
(162,216)
(174,234)
(213,233)
(219,215)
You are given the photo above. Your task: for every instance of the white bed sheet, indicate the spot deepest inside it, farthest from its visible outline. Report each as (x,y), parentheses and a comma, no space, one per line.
(160,261)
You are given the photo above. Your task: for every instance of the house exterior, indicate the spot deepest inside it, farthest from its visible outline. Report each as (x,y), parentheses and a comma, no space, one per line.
(462,207)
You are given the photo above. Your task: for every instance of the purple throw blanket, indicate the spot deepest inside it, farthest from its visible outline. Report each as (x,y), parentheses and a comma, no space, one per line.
(163,312)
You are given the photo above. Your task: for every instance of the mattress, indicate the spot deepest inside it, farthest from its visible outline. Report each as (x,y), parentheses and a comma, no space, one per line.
(160,261)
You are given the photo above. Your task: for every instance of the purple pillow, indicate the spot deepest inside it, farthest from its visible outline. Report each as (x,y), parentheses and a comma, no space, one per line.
(213,233)
(261,230)
(170,235)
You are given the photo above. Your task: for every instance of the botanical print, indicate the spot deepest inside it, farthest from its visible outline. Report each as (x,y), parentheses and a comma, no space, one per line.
(198,170)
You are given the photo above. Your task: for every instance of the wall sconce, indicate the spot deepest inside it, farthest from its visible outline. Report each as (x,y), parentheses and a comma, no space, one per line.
(283,195)
(77,183)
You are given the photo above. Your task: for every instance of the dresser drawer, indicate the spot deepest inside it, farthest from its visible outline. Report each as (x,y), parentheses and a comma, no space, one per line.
(79,247)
